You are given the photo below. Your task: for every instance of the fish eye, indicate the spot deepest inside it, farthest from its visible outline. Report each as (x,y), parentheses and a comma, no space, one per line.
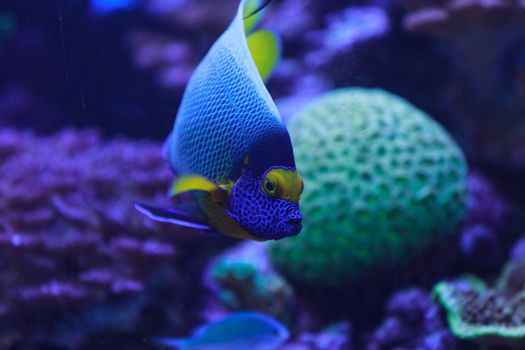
(270,187)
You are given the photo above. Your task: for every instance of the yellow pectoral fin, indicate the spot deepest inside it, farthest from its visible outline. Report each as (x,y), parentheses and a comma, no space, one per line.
(192,183)
(266,50)
(227,187)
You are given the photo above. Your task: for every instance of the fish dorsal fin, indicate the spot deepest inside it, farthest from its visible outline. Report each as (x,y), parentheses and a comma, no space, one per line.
(251,19)
(265,48)
(196,183)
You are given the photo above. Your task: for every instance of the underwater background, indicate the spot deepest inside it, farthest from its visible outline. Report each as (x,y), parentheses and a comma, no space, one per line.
(407,120)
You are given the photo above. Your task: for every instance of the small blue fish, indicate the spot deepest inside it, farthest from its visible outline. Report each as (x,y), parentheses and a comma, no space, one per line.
(239,331)
(229,144)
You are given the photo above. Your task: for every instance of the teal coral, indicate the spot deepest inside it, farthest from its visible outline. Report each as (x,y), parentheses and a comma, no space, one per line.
(492,316)
(243,288)
(382,181)
(242,283)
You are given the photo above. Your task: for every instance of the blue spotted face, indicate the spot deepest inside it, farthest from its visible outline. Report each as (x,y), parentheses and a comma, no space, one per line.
(267,206)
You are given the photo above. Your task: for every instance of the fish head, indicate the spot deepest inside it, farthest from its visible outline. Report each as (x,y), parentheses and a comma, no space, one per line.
(267,206)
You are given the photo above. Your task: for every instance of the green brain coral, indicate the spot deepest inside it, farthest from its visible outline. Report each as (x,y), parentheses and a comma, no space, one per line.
(382,181)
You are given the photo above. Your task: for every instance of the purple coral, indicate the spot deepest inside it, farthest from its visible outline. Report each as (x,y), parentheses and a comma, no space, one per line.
(349,28)
(482,239)
(171,55)
(334,337)
(518,250)
(171,60)
(481,246)
(413,321)
(69,233)
(486,205)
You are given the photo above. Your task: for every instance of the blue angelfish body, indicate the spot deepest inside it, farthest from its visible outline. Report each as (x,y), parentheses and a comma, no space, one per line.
(227,113)
(230,146)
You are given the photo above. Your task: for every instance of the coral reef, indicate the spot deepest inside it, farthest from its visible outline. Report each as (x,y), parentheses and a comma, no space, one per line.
(72,240)
(203,16)
(328,46)
(487,87)
(412,322)
(487,315)
(349,30)
(171,60)
(243,279)
(81,269)
(171,52)
(486,204)
(485,234)
(334,337)
(518,250)
(382,181)
(481,246)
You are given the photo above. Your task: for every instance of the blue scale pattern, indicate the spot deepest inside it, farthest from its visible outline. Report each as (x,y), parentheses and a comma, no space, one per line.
(226,112)
(263,216)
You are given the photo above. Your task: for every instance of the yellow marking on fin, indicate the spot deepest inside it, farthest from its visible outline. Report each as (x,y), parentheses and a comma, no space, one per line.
(192,183)
(266,50)
(223,222)
(251,22)
(220,220)
(227,187)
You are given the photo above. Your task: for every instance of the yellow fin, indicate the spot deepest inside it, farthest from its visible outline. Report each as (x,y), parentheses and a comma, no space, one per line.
(227,187)
(192,183)
(251,21)
(266,50)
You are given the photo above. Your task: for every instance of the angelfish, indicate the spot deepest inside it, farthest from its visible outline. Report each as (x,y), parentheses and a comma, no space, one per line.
(230,146)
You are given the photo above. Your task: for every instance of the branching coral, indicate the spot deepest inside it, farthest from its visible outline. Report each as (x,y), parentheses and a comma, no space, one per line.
(334,337)
(329,45)
(382,181)
(494,316)
(184,30)
(486,228)
(489,42)
(412,322)
(70,237)
(243,279)
(172,60)
(346,31)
